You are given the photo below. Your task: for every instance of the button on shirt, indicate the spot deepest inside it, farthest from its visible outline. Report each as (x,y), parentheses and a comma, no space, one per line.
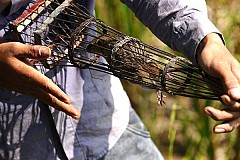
(104,105)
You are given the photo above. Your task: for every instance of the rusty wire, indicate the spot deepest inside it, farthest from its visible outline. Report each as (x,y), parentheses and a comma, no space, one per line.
(79,39)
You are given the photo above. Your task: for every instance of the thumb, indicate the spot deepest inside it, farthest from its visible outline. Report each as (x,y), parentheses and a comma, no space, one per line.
(31,51)
(234,93)
(231,84)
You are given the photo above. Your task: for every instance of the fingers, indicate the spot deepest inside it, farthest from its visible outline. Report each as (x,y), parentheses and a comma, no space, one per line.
(230,103)
(59,105)
(216,60)
(234,93)
(221,115)
(20,50)
(231,119)
(34,52)
(227,126)
(48,99)
(29,74)
(16,75)
(48,92)
(231,79)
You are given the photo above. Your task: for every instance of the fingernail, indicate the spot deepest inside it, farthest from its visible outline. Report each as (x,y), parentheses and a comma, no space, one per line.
(67,100)
(209,112)
(225,99)
(44,51)
(219,130)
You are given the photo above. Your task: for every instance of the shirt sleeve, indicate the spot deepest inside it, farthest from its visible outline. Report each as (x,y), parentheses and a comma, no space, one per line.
(181,24)
(17,4)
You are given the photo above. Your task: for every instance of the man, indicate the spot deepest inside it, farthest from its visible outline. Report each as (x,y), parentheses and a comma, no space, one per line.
(108,127)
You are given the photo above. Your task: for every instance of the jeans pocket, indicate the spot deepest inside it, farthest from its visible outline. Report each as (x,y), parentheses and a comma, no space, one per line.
(138,131)
(136,126)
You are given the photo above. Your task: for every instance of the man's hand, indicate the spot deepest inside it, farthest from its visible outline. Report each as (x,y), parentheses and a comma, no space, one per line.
(215,59)
(16,73)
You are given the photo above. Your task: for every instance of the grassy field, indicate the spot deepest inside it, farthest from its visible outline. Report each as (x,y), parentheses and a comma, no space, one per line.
(180,129)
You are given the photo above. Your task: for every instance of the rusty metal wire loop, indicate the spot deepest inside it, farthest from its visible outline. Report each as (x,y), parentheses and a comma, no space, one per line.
(78,39)
(170,68)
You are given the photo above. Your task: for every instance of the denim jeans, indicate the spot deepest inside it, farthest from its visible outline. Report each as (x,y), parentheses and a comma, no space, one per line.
(26,138)
(134,144)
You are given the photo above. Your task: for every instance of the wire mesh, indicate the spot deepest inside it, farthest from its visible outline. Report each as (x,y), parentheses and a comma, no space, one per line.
(79,39)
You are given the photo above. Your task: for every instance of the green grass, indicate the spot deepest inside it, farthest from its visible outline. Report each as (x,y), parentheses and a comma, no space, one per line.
(180,129)
(172,132)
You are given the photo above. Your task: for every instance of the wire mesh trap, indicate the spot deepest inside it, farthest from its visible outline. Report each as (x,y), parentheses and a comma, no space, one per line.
(79,39)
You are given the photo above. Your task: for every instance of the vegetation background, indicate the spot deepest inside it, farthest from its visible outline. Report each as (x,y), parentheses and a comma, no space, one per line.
(180,129)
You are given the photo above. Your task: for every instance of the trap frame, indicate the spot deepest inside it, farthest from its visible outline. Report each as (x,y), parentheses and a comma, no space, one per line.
(78,39)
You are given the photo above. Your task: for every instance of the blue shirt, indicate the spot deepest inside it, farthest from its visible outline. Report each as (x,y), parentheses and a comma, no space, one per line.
(104,105)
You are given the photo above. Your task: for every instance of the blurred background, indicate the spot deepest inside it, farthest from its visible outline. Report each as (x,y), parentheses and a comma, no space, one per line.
(179,128)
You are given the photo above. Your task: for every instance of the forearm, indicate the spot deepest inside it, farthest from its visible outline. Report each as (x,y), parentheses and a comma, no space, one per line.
(179,24)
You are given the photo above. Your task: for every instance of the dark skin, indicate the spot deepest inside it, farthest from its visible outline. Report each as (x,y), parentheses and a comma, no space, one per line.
(17,74)
(214,58)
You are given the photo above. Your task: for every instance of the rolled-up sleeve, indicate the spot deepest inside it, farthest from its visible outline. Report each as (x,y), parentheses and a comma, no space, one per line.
(181,24)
